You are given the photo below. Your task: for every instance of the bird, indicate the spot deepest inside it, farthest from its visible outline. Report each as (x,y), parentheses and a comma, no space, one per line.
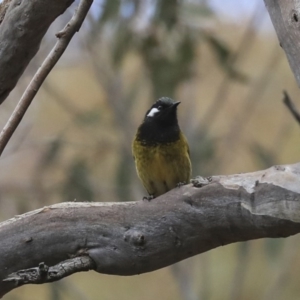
(160,150)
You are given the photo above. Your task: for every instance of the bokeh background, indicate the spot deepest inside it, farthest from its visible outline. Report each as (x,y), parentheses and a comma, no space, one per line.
(222,60)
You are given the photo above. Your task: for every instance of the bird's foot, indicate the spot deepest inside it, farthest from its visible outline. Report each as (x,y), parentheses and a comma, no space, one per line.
(148,198)
(179,184)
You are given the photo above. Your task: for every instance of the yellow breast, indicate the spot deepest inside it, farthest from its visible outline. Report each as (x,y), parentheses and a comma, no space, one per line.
(161,167)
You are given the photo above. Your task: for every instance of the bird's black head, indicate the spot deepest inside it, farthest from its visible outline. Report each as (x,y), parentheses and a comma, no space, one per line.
(163,111)
(160,123)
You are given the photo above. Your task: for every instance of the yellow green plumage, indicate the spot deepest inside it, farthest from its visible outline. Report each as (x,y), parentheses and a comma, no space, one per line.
(161,151)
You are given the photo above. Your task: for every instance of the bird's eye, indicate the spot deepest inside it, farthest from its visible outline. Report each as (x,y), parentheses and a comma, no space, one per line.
(160,107)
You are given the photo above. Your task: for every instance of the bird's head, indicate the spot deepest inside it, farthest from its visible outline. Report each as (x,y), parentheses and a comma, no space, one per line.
(164,110)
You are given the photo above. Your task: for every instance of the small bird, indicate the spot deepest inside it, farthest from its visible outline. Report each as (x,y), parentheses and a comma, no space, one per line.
(160,150)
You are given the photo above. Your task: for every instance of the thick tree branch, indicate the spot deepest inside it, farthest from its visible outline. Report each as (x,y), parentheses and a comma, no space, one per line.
(137,237)
(285,16)
(23,27)
(64,38)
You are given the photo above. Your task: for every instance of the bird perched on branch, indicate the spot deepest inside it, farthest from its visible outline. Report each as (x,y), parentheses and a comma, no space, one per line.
(160,149)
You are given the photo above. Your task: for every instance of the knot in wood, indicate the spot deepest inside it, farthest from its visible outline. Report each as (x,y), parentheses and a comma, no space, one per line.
(135,237)
(294,16)
(279,168)
(43,268)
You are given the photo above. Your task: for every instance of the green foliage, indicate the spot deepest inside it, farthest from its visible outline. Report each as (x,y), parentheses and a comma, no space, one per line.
(168,45)
(167,66)
(121,44)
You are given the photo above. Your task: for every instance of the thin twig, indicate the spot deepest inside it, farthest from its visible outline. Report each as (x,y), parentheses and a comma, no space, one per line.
(44,274)
(290,105)
(64,38)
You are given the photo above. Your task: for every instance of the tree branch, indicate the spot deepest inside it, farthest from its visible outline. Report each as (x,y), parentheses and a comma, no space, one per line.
(285,16)
(290,105)
(24,25)
(136,237)
(64,38)
(44,274)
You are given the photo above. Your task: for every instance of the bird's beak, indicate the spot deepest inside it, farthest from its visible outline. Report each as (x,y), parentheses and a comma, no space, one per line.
(176,104)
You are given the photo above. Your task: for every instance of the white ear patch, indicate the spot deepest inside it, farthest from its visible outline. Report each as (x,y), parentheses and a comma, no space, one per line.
(153,112)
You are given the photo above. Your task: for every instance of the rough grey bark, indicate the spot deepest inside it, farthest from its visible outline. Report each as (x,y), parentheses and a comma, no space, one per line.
(21,31)
(285,16)
(142,236)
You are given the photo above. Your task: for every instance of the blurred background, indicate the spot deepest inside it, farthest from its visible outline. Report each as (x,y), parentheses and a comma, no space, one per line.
(225,65)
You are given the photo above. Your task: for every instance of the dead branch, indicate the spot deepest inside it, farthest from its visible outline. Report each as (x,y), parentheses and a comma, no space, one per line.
(137,237)
(43,274)
(64,38)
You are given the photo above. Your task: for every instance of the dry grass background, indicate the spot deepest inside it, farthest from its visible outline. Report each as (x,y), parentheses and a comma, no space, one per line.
(250,127)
